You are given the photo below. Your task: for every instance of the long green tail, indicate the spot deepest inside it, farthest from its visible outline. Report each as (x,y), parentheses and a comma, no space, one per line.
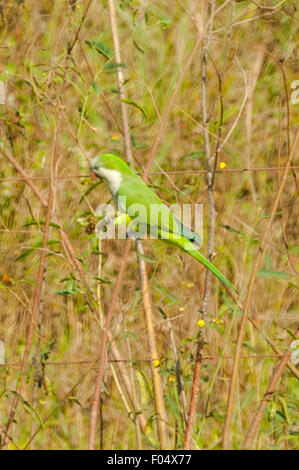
(188,247)
(196,254)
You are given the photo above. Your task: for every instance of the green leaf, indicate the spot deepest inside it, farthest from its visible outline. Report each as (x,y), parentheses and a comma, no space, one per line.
(70,289)
(146,258)
(266,216)
(53,242)
(249,347)
(24,254)
(230,229)
(292,436)
(95,87)
(28,281)
(193,155)
(75,400)
(29,408)
(138,47)
(144,387)
(272,274)
(95,245)
(285,410)
(164,22)
(133,103)
(293,285)
(34,247)
(163,291)
(41,222)
(189,339)
(101,48)
(173,406)
(30,250)
(110,67)
(91,188)
(102,281)
(215,327)
(149,442)
(129,334)
(248,398)
(162,313)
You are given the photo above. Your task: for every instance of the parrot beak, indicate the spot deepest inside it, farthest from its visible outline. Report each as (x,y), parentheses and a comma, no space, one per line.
(95,166)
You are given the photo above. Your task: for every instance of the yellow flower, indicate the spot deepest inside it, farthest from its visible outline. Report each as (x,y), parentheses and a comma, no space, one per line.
(201,323)
(156,363)
(216,321)
(222,165)
(182,309)
(115,137)
(189,285)
(172,379)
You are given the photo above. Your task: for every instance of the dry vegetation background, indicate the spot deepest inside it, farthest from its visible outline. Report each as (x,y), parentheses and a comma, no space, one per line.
(60,108)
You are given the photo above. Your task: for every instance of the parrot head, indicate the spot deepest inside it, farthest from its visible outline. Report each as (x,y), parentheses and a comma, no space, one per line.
(111,168)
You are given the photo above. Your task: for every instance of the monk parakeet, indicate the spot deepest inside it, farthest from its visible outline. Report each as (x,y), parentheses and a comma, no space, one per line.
(126,186)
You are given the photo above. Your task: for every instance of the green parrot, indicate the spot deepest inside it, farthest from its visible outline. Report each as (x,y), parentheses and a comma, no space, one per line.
(130,192)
